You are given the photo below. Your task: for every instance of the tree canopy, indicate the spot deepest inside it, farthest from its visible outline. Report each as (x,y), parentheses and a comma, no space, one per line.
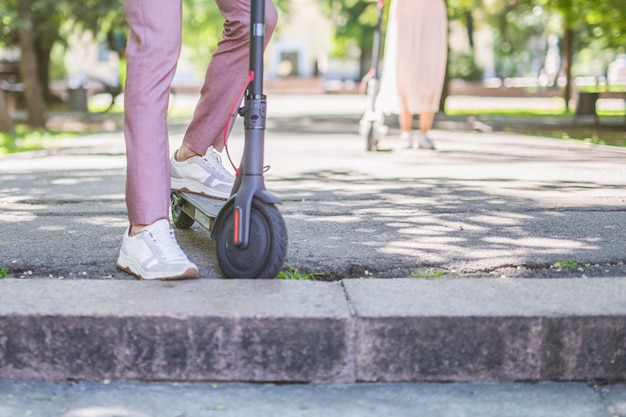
(594,29)
(54,21)
(586,28)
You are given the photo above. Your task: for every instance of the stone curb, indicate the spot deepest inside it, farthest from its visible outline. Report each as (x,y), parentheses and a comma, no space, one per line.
(300,331)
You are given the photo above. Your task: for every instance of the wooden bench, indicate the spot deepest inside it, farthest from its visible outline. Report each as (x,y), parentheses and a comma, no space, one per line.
(10,83)
(586,103)
(11,86)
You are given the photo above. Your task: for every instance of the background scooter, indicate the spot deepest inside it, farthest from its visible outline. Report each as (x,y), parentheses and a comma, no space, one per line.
(371,124)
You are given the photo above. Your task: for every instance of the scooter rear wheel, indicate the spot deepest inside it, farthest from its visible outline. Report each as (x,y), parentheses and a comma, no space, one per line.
(267,246)
(180,219)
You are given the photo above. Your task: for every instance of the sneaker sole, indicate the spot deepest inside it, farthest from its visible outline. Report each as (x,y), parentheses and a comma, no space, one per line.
(182,186)
(189,273)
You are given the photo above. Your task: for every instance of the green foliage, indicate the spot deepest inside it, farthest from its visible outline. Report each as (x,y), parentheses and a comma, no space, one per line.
(26,139)
(55,19)
(4,271)
(567,264)
(426,274)
(202,28)
(607,16)
(8,23)
(355,24)
(295,274)
(463,66)
(46,398)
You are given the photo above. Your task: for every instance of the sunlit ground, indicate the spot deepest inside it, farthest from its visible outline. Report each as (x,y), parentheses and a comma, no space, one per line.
(533,116)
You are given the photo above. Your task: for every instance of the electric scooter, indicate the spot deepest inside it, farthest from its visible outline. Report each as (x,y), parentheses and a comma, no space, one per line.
(370,125)
(248,229)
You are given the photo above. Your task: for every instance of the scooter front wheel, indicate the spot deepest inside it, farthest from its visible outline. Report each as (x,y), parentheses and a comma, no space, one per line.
(370,136)
(267,246)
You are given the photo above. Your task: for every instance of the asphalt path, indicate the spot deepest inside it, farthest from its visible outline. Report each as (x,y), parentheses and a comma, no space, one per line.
(482,204)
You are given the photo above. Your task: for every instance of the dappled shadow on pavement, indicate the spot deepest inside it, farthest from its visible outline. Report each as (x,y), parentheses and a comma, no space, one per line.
(477,206)
(347,223)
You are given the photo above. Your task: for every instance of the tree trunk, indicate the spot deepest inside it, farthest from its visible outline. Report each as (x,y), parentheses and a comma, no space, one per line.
(28,67)
(469,24)
(42,53)
(445,90)
(45,37)
(365,61)
(568,52)
(6,124)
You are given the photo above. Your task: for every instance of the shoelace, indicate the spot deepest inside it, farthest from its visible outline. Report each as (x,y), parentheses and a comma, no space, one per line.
(217,163)
(211,153)
(166,243)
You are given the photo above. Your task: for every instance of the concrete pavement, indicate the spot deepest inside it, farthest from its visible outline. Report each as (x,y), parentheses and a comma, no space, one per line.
(110,399)
(442,237)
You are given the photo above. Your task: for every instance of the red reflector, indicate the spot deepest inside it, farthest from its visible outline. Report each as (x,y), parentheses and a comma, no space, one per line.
(236,226)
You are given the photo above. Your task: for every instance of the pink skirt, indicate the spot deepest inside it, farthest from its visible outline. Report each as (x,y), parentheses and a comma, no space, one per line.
(415,54)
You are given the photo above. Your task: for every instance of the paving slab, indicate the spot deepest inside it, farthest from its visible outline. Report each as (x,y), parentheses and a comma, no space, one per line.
(266,330)
(489,329)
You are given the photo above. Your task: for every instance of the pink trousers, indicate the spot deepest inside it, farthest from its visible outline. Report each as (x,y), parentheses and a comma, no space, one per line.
(152,54)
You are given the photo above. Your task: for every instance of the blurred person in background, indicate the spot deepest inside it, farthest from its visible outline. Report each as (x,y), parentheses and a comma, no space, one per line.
(414,66)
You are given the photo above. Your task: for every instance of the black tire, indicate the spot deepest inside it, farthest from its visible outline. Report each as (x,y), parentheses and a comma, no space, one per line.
(180,219)
(267,247)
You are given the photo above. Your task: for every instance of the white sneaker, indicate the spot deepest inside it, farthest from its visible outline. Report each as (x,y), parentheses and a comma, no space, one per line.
(153,253)
(424,142)
(406,140)
(202,175)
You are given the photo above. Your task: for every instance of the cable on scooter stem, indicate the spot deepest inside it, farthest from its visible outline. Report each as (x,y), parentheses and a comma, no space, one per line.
(230,120)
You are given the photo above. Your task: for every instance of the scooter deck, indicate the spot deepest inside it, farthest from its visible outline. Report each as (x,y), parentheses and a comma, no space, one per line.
(202,209)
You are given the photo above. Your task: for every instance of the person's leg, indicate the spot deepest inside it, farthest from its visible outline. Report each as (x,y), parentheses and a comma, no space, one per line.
(149,249)
(152,52)
(426,121)
(406,120)
(196,166)
(224,78)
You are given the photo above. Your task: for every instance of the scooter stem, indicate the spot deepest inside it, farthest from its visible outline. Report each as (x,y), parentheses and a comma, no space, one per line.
(257,45)
(254,114)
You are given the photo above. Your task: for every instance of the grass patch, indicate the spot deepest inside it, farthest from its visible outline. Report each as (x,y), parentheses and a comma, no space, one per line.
(4,272)
(29,139)
(425,274)
(567,264)
(528,113)
(594,135)
(504,112)
(546,123)
(218,407)
(295,274)
(43,399)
